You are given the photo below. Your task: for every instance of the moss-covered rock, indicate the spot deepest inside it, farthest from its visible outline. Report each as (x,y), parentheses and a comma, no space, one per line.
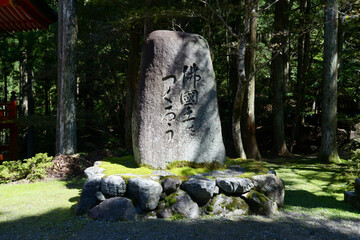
(260,204)
(227,206)
(178,203)
(272,186)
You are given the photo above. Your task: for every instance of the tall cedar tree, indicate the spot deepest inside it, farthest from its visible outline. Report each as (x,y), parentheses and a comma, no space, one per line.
(328,148)
(248,119)
(66,111)
(278,72)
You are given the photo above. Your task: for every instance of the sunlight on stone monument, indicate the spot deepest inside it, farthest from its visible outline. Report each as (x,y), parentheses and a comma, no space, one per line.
(176,115)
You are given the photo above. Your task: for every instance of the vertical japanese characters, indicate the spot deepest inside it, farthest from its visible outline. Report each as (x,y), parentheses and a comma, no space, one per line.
(189,97)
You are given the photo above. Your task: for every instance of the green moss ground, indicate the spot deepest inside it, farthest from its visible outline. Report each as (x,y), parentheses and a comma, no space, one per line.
(127,165)
(316,188)
(123,165)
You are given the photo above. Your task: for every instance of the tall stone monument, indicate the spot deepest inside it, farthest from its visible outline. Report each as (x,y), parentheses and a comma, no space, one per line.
(176,113)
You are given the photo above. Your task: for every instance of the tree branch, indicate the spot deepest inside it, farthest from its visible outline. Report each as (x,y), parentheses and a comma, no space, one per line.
(221,19)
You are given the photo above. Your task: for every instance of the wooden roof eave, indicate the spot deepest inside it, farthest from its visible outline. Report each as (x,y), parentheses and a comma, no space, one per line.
(25,15)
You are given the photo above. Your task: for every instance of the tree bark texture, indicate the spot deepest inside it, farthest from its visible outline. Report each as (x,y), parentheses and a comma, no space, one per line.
(238,103)
(328,148)
(23,96)
(66,89)
(240,93)
(248,119)
(131,82)
(278,72)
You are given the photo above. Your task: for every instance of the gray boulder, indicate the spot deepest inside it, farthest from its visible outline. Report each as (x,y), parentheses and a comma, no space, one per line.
(93,171)
(176,103)
(113,186)
(226,206)
(112,209)
(88,197)
(170,185)
(200,189)
(260,204)
(357,185)
(146,192)
(100,196)
(235,185)
(272,186)
(179,204)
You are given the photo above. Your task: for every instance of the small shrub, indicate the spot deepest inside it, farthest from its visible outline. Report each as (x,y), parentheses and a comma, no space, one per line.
(32,169)
(355,163)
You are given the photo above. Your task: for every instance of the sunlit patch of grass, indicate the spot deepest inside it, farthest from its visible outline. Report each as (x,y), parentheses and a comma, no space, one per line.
(315,188)
(24,200)
(41,208)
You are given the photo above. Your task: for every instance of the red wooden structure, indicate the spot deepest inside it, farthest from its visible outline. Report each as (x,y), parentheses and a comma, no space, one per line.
(15,16)
(8,120)
(25,15)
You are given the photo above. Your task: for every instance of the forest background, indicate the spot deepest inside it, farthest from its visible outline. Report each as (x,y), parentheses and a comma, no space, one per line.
(280,43)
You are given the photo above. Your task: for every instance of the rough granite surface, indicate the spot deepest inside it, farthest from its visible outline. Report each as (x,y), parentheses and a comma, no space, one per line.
(176,115)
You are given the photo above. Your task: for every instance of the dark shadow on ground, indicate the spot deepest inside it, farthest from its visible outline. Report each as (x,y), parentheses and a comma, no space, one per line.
(75,183)
(306,199)
(62,224)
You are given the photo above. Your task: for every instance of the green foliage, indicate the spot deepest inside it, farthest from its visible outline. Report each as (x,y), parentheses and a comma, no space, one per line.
(103,52)
(356,155)
(31,169)
(354,167)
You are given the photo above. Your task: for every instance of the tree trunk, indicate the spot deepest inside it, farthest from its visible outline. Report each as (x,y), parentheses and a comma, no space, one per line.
(131,82)
(278,71)
(303,68)
(66,114)
(238,103)
(248,119)
(240,93)
(26,89)
(23,96)
(31,109)
(328,148)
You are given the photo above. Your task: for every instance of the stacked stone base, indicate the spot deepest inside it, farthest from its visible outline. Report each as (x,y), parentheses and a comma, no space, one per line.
(112,198)
(353,197)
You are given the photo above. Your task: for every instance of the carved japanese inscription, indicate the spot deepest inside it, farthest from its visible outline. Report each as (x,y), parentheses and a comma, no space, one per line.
(188,99)
(176,113)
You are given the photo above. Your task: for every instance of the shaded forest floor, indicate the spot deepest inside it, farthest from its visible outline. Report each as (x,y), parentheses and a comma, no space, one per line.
(314,209)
